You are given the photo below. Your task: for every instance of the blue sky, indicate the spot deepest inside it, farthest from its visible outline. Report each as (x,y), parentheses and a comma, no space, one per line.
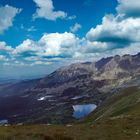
(39,36)
(88,13)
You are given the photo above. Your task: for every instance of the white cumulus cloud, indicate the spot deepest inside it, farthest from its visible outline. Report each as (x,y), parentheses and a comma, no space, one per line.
(28,47)
(75,27)
(114,30)
(5,47)
(57,44)
(46,10)
(53,45)
(129,8)
(117,33)
(7,15)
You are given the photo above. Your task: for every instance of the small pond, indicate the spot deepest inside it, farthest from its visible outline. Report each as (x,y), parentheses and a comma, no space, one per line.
(81,111)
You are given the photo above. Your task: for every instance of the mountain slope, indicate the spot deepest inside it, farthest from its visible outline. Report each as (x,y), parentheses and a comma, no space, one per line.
(50,99)
(124,104)
(117,118)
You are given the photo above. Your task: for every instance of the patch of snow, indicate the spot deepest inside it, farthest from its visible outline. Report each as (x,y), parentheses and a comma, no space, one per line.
(44,98)
(41,99)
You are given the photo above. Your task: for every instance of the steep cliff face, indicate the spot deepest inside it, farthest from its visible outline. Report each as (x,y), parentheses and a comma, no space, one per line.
(118,70)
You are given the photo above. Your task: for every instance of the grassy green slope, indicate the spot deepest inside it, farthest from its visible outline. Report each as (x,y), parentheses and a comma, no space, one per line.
(125,103)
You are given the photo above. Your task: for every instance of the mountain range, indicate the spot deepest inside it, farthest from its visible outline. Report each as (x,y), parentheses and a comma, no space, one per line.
(51,99)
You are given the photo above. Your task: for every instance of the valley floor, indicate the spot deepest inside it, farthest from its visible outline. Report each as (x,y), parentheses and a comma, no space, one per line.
(115,128)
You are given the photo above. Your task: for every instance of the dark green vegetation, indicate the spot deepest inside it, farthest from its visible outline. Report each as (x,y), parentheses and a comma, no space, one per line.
(117,118)
(125,103)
